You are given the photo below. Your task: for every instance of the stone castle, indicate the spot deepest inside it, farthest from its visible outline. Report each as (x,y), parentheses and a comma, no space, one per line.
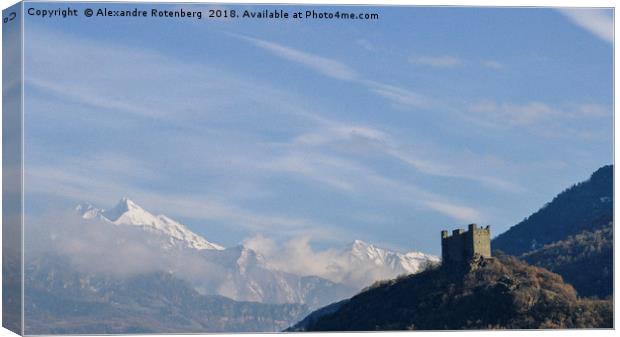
(462,246)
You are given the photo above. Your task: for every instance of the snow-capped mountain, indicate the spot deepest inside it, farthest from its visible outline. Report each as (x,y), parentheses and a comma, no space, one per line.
(242,273)
(362,253)
(360,264)
(237,272)
(127,212)
(247,277)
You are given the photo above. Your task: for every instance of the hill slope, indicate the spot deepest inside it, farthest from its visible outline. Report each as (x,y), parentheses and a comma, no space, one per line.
(499,293)
(585,206)
(584,260)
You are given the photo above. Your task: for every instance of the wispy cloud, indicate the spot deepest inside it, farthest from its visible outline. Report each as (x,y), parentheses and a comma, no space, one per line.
(336,131)
(451,61)
(441,61)
(322,169)
(461,213)
(508,114)
(325,66)
(398,95)
(492,64)
(358,138)
(599,22)
(149,88)
(513,114)
(341,71)
(86,96)
(591,110)
(364,43)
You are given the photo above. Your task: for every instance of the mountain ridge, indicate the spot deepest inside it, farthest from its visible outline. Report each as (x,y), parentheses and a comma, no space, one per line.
(583,206)
(571,235)
(244,274)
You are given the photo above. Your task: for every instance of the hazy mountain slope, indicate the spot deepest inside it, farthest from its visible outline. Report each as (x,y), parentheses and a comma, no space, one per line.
(246,276)
(585,206)
(311,319)
(61,301)
(242,273)
(584,260)
(499,293)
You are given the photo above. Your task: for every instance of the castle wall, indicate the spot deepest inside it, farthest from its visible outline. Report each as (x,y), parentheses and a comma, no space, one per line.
(461,246)
(482,242)
(453,249)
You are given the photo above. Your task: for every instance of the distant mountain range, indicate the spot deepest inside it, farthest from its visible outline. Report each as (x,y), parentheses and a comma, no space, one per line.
(250,276)
(161,251)
(60,300)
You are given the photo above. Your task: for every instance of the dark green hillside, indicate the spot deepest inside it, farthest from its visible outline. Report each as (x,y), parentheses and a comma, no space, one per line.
(584,260)
(585,206)
(499,293)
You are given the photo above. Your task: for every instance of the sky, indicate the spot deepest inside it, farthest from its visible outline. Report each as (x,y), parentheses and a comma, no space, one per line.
(385,130)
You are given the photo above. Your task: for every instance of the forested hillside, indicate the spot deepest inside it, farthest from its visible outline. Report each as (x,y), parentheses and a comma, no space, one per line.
(585,206)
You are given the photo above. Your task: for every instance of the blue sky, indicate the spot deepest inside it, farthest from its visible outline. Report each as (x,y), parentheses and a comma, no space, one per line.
(386,131)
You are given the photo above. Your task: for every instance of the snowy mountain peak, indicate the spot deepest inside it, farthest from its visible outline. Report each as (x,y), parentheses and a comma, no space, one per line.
(359,243)
(128,203)
(361,247)
(361,253)
(123,206)
(88,211)
(127,212)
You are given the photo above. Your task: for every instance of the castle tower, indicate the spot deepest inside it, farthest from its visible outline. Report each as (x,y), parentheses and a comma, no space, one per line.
(462,246)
